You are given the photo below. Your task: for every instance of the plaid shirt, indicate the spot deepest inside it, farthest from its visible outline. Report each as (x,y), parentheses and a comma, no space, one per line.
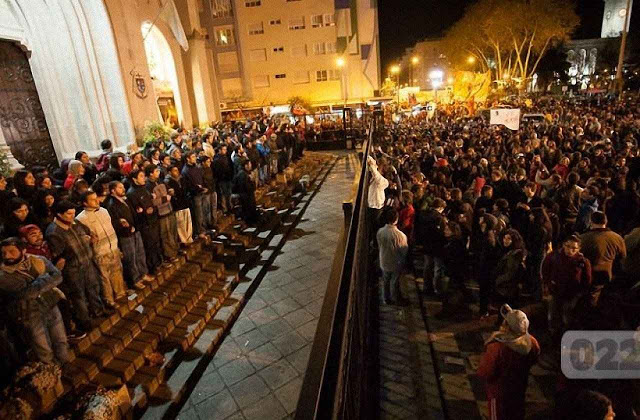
(72,244)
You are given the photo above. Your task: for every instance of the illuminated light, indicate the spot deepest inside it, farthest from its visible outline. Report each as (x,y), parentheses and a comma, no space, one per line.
(436,84)
(415,60)
(506,76)
(395,69)
(340,62)
(471,59)
(436,74)
(450,80)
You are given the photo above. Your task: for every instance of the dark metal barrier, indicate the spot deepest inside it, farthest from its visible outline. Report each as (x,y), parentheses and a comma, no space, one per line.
(341,381)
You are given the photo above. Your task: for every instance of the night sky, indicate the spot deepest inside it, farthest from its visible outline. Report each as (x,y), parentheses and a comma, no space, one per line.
(404,22)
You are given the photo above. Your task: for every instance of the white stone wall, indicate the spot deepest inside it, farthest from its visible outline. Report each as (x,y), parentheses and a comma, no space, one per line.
(75,68)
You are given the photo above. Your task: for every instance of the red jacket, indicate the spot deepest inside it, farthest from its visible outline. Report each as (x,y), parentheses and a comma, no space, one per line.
(406,218)
(566,276)
(506,373)
(68,182)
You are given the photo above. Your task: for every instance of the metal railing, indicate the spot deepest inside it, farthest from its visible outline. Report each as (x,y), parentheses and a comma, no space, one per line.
(341,381)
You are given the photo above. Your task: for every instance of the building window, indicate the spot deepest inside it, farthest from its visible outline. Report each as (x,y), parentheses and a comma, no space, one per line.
(224,36)
(296,24)
(256,29)
(329,19)
(319,48)
(275,22)
(228,62)
(252,3)
(221,8)
(321,76)
(231,88)
(281,76)
(258,55)
(316,21)
(299,51)
(278,50)
(261,81)
(301,77)
(335,74)
(331,47)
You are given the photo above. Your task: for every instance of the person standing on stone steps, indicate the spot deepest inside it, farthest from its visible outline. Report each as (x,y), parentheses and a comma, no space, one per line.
(146,217)
(70,245)
(166,216)
(134,259)
(104,242)
(244,186)
(180,204)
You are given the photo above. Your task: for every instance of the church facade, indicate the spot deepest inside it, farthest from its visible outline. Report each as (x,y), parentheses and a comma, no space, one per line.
(95,69)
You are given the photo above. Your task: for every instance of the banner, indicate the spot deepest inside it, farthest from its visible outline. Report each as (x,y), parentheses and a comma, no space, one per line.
(170,15)
(510,118)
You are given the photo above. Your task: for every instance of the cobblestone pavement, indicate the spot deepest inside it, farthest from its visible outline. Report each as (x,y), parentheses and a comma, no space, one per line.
(258,369)
(458,343)
(428,365)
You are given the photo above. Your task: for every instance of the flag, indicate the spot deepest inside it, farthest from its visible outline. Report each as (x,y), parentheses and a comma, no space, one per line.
(170,15)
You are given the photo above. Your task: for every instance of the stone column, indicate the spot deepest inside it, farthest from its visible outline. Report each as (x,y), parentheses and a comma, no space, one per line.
(4,148)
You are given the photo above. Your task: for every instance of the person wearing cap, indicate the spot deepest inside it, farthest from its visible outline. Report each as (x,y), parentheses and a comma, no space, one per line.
(509,354)
(29,298)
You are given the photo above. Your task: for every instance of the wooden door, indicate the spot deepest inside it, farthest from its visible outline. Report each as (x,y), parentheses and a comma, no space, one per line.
(21,116)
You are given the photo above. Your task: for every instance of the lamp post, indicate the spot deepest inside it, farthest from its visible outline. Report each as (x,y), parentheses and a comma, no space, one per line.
(436,81)
(340,62)
(395,69)
(414,62)
(623,43)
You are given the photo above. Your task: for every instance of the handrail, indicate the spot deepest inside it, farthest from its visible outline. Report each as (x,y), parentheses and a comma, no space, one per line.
(328,391)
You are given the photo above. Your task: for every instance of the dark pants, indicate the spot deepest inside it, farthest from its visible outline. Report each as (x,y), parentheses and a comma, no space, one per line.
(197,212)
(224,192)
(134,260)
(249,211)
(373,223)
(81,285)
(152,245)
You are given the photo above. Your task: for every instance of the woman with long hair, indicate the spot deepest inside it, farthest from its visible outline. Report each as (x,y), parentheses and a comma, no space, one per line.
(538,241)
(510,267)
(25,184)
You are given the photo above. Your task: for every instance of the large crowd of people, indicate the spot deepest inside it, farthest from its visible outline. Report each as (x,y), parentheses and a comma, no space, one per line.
(76,241)
(546,213)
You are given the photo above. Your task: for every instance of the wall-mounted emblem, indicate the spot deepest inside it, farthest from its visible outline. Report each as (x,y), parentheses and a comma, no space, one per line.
(139,85)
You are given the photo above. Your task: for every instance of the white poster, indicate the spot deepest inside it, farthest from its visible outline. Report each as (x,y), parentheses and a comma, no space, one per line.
(510,118)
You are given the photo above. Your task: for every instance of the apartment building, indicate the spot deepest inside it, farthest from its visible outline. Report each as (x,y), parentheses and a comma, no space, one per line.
(266,51)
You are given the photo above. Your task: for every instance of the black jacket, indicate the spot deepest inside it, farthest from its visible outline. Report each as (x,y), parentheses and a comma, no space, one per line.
(222,168)
(192,180)
(139,197)
(119,210)
(179,201)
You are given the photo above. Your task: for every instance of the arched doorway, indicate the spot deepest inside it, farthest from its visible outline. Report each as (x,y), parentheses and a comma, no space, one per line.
(163,74)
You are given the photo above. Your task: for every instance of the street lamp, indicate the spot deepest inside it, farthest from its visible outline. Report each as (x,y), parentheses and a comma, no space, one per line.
(414,62)
(340,62)
(436,81)
(395,69)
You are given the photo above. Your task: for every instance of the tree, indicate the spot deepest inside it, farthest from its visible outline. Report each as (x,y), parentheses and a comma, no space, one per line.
(553,66)
(510,37)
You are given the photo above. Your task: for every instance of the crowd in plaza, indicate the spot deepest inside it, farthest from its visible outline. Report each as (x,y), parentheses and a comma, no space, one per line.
(546,213)
(76,241)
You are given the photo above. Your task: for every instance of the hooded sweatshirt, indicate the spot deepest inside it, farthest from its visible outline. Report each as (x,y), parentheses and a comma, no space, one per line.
(505,367)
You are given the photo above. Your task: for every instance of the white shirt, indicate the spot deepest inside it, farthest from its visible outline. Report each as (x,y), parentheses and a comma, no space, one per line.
(377,185)
(393,248)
